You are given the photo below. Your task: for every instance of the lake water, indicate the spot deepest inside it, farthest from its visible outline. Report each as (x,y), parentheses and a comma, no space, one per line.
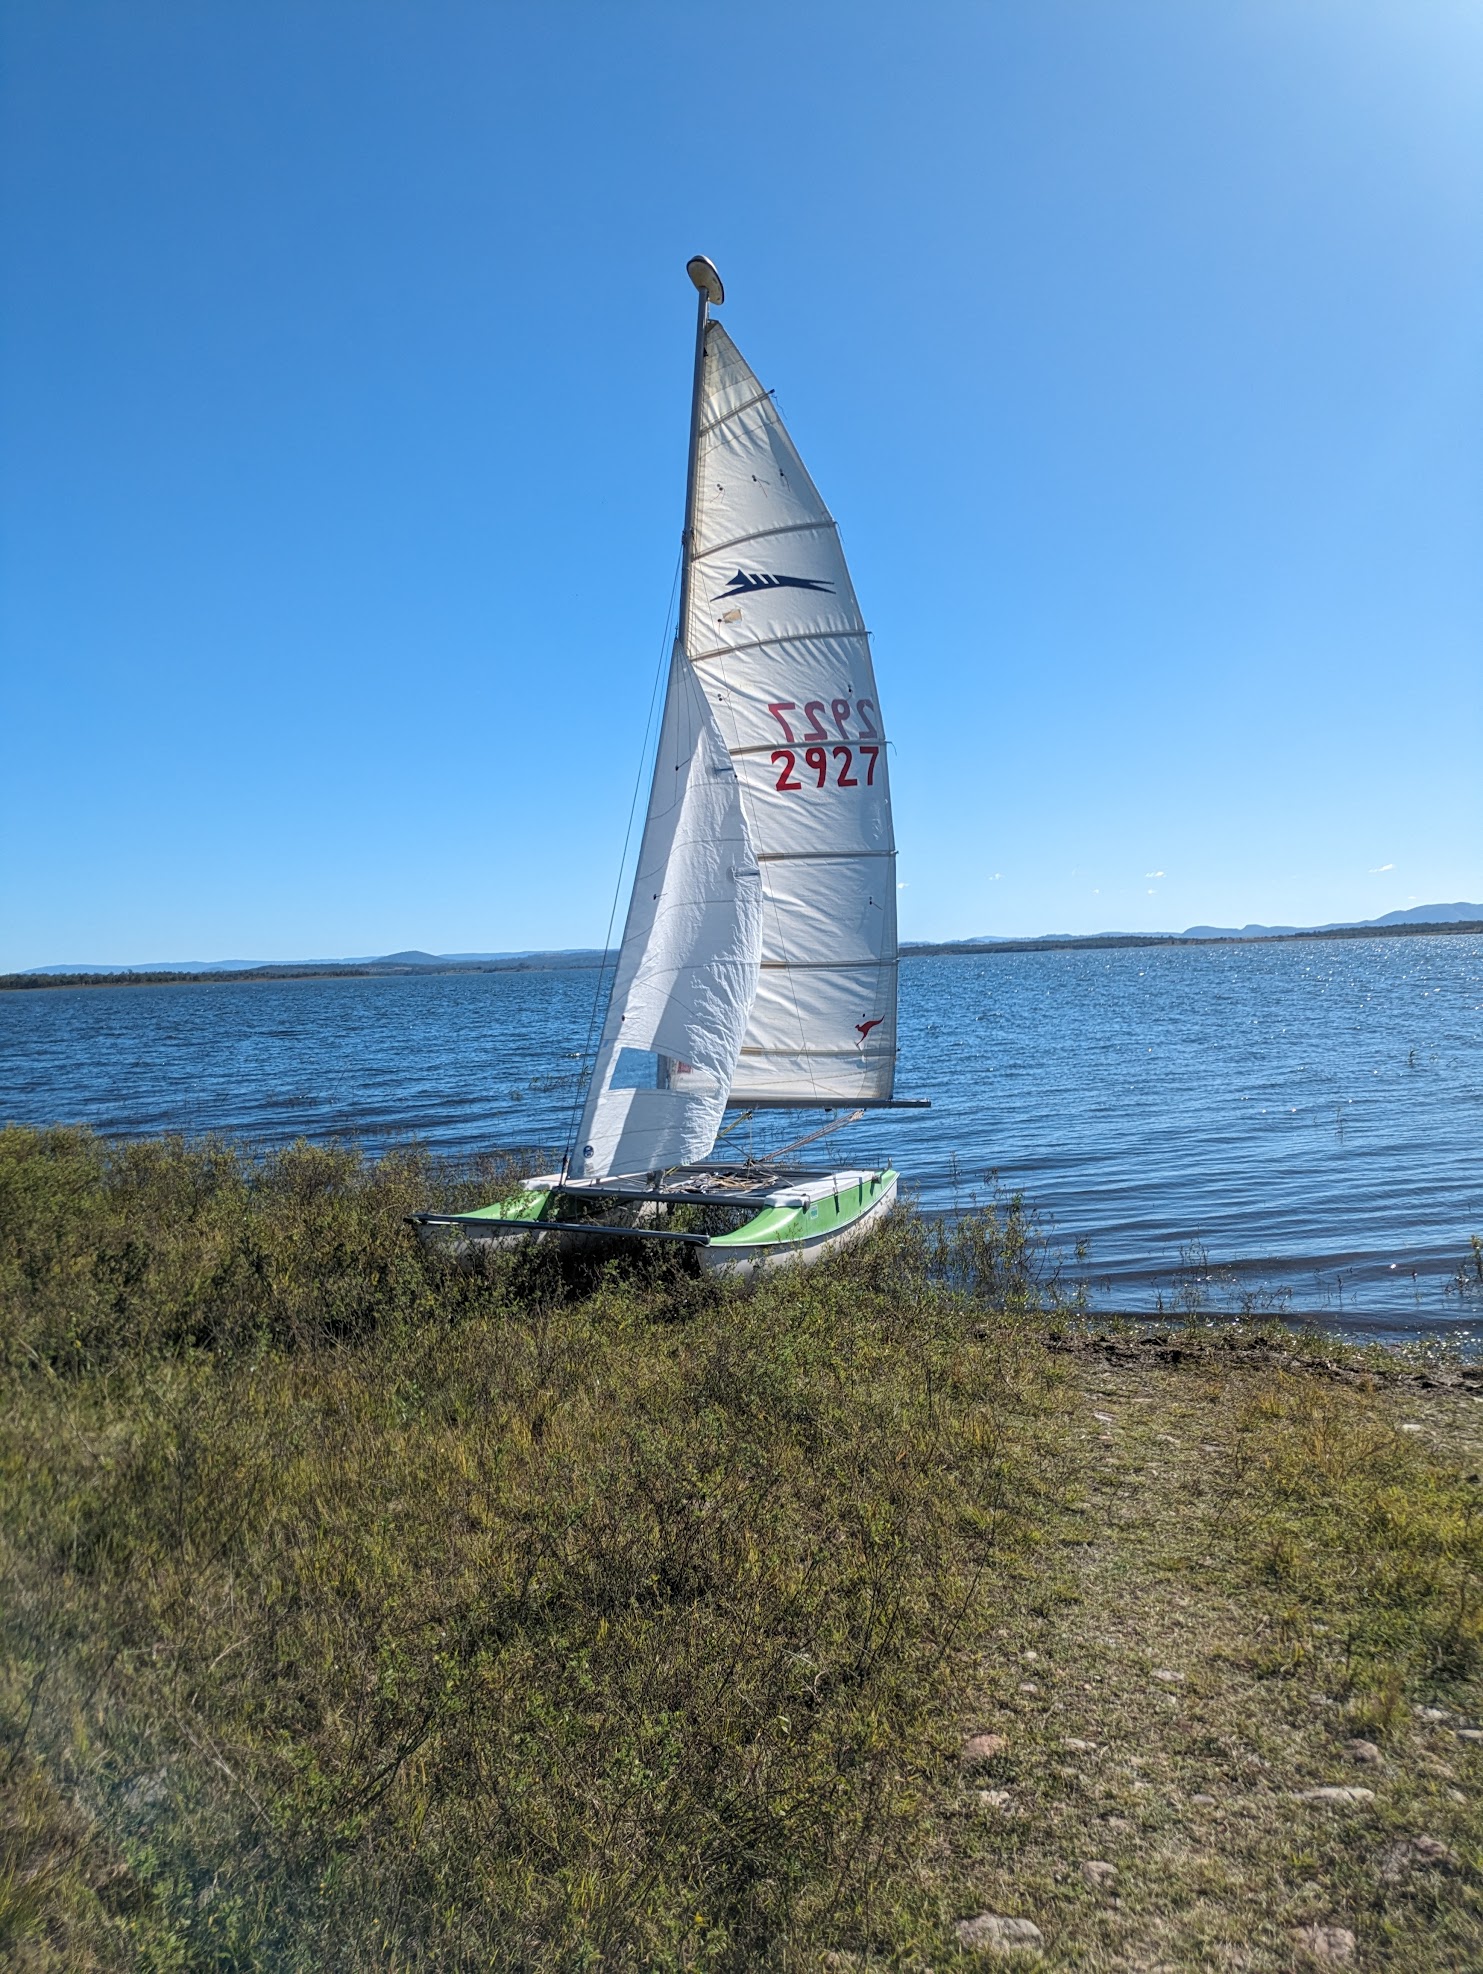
(1294,1127)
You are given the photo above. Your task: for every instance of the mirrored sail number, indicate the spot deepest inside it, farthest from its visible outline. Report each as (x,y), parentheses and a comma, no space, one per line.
(805,756)
(841,712)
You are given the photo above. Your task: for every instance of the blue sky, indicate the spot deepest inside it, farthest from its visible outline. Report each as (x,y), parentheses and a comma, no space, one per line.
(1135,345)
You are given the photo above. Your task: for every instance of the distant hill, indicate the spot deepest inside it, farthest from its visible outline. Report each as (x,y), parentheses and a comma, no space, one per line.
(389,965)
(573,956)
(1416,915)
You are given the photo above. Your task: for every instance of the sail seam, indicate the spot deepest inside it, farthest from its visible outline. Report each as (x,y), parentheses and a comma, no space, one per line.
(764,534)
(760,643)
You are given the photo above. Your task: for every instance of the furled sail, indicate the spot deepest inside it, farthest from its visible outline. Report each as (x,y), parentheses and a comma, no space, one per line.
(687,968)
(777,640)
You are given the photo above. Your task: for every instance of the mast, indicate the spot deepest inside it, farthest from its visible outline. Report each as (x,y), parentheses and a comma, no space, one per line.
(709,292)
(687,968)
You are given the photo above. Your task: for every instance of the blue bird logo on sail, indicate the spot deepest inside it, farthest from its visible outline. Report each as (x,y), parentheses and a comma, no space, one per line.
(746,580)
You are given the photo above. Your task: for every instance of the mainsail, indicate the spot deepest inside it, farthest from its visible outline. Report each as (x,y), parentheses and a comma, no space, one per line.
(778,641)
(758,963)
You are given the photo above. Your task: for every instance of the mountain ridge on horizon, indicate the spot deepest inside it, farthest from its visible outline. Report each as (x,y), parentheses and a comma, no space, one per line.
(1460,913)
(1455,914)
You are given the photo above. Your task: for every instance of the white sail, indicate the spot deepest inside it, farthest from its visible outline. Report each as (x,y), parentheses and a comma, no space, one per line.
(778,642)
(687,969)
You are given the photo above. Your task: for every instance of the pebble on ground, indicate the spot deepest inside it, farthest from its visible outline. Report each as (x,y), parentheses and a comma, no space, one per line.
(983,1748)
(1325,1943)
(991,1932)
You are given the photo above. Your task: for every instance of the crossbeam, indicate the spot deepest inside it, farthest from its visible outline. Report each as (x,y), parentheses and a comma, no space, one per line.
(852,1103)
(477,1221)
(617,1189)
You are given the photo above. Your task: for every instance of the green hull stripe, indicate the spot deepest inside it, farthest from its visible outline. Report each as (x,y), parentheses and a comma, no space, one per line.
(785,1226)
(525,1206)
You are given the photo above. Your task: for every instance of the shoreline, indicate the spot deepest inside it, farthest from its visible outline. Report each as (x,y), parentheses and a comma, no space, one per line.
(554,963)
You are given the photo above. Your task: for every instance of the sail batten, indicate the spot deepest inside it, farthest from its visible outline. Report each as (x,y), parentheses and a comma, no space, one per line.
(713,424)
(767,534)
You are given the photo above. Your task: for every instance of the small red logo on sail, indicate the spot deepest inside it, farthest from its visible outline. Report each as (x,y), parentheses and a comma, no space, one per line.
(863,1028)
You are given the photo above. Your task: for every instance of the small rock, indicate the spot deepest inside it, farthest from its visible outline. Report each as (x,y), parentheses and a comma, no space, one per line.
(1341,1796)
(145,1791)
(983,1748)
(1431,1850)
(1029,1686)
(1364,1752)
(1099,1874)
(1431,1713)
(1104,1418)
(996,1934)
(1456,1796)
(1411,1426)
(998,1799)
(1472,1735)
(1030,1658)
(1203,1802)
(1075,1747)
(1333,1943)
(1416,1854)
(1169,1678)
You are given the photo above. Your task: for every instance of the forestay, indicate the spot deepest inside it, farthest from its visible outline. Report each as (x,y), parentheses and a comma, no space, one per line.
(687,968)
(779,644)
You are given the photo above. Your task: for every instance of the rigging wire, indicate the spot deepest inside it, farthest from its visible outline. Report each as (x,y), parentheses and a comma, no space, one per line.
(604,986)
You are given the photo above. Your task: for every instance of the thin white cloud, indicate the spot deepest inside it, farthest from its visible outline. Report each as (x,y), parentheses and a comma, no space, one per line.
(1380,867)
(996,877)
(1153,873)
(903,884)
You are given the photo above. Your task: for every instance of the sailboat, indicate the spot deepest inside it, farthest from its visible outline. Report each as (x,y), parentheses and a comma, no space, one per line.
(757,969)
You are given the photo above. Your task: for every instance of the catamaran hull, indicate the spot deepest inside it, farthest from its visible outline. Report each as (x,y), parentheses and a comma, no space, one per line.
(740,1260)
(802,1219)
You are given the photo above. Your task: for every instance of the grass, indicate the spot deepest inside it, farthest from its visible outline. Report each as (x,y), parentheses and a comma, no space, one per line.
(365,1611)
(361,1609)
